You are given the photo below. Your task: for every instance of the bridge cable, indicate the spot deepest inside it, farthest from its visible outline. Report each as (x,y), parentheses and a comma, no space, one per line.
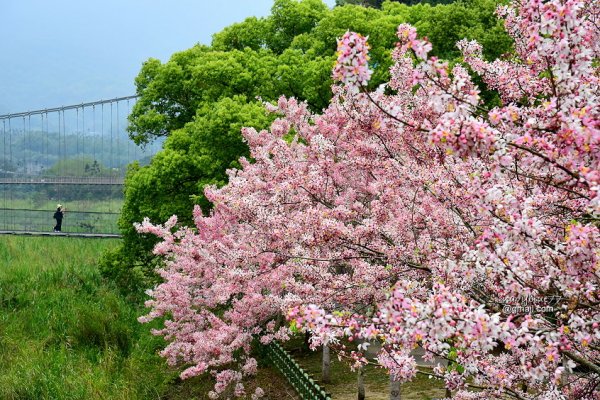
(23,143)
(47,137)
(102,130)
(31,161)
(78,154)
(4,171)
(83,130)
(114,188)
(112,162)
(59,164)
(94,130)
(128,140)
(25,169)
(11,161)
(37,157)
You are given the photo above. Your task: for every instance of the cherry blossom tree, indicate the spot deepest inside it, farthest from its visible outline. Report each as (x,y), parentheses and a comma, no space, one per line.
(413,216)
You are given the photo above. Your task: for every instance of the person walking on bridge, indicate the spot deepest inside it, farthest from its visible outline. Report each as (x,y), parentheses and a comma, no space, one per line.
(58,216)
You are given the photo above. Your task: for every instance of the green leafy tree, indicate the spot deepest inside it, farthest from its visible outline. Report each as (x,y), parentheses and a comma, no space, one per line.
(444,25)
(251,33)
(290,18)
(379,3)
(364,3)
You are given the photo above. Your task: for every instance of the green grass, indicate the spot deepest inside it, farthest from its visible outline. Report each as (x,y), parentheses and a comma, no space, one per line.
(64,334)
(67,334)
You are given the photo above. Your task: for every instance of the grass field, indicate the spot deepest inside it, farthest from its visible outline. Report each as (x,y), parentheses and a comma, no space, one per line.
(66,334)
(63,333)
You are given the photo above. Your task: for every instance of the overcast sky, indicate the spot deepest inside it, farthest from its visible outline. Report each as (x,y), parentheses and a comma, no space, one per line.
(61,52)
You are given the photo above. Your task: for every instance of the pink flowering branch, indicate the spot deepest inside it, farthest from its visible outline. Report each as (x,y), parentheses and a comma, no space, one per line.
(352,65)
(416,218)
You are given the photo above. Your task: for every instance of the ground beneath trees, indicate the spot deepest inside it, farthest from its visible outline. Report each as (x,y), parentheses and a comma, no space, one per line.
(343,384)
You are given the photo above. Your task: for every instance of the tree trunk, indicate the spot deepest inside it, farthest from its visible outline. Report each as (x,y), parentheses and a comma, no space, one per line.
(448,393)
(306,347)
(326,363)
(361,383)
(564,377)
(394,389)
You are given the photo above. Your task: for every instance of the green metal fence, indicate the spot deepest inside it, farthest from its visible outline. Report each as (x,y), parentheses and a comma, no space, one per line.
(306,387)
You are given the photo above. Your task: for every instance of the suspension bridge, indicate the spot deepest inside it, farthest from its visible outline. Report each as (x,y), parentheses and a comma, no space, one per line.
(75,156)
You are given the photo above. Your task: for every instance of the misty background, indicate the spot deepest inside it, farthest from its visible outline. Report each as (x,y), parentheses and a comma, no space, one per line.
(64,52)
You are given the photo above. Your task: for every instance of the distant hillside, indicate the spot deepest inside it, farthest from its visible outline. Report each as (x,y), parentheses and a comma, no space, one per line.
(47,152)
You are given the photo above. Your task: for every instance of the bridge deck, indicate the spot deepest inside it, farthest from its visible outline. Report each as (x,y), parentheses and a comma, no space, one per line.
(62,180)
(64,234)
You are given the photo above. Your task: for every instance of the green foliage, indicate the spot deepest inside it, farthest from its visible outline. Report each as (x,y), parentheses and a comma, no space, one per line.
(379,3)
(251,33)
(380,27)
(444,25)
(279,54)
(363,3)
(194,156)
(202,96)
(84,166)
(290,18)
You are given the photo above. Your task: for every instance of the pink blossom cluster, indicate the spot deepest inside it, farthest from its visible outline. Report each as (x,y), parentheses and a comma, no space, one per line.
(413,219)
(408,40)
(352,65)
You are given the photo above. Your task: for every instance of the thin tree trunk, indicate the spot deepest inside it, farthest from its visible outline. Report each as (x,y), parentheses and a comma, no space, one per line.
(394,389)
(448,393)
(326,363)
(361,383)
(306,347)
(564,377)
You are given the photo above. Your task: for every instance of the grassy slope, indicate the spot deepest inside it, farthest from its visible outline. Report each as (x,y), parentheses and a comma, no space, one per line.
(66,334)
(63,333)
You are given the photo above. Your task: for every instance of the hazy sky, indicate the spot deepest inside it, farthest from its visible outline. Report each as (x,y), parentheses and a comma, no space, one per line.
(61,52)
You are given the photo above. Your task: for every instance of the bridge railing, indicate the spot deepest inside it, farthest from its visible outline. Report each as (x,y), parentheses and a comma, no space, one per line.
(63,180)
(26,220)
